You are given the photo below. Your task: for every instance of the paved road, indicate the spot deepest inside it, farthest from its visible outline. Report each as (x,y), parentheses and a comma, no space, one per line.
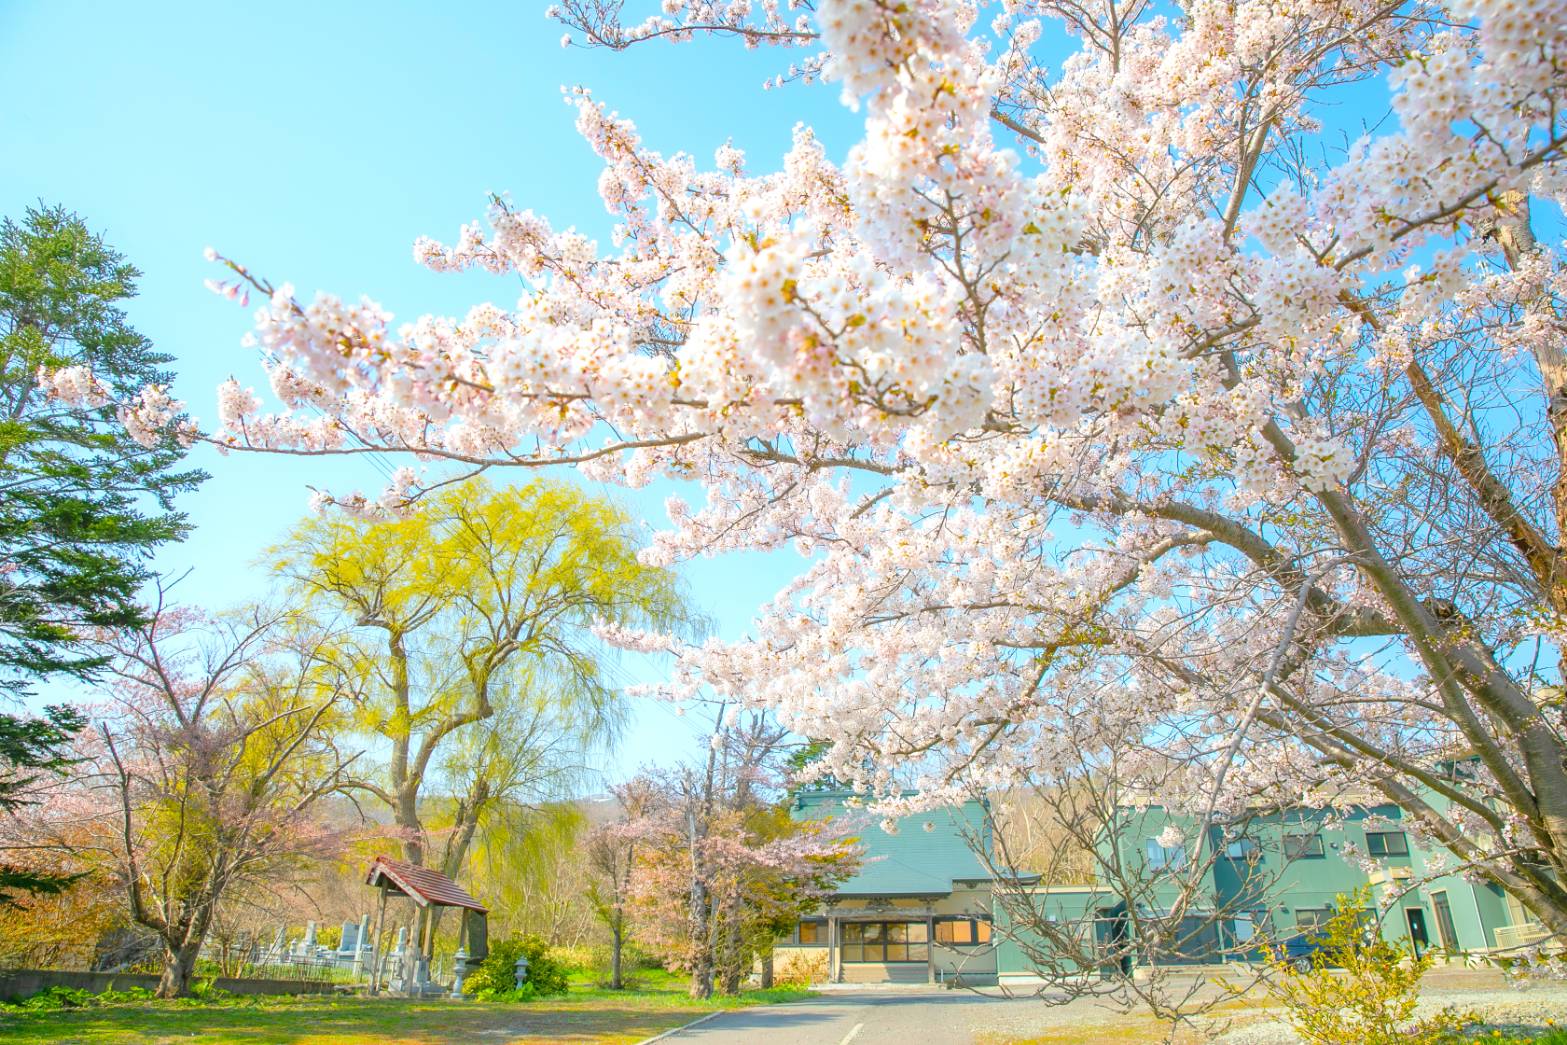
(903,1017)
(941,1017)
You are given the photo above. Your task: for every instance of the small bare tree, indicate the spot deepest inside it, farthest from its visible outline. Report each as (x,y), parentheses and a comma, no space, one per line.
(214,751)
(1083,901)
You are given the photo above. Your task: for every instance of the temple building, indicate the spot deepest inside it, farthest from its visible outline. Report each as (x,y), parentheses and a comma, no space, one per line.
(919,909)
(922,906)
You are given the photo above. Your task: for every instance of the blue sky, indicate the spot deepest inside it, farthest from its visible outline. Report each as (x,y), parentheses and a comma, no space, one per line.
(314,142)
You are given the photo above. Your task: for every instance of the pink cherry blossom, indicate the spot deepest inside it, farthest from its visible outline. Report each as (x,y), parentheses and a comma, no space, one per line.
(1130,416)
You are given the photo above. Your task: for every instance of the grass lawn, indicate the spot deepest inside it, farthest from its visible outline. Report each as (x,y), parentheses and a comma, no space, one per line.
(583,1015)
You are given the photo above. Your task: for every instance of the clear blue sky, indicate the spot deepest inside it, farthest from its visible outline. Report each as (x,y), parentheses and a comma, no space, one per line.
(314,142)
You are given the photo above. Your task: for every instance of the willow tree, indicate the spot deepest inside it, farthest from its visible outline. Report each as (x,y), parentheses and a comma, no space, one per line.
(478,620)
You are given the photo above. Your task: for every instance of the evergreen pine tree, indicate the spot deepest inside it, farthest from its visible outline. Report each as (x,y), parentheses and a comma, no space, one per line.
(82,505)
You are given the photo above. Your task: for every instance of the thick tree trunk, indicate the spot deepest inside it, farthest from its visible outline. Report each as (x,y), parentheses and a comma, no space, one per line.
(700,913)
(729,982)
(406,816)
(731,952)
(702,974)
(701,960)
(455,854)
(767,970)
(179,968)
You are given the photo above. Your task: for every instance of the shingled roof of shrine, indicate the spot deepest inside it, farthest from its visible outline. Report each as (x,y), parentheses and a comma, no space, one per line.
(423,885)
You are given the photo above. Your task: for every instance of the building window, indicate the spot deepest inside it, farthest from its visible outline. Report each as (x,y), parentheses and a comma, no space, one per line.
(1241,849)
(1165,857)
(1312,920)
(1297,847)
(962,932)
(885,942)
(1248,927)
(1387,843)
(810,932)
(1189,940)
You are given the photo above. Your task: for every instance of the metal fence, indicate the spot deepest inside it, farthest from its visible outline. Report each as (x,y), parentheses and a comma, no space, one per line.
(288,967)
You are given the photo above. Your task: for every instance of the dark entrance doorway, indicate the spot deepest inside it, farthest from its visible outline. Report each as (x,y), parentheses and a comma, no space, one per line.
(1113,934)
(1416,916)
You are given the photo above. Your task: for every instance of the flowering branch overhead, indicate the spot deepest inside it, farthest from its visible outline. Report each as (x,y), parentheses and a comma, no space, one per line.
(1110,393)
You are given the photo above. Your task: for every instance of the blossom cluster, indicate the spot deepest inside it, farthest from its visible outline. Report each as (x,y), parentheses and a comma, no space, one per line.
(1072,384)
(74,385)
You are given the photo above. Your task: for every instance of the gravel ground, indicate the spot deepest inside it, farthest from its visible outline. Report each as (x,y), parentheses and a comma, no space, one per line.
(1087,1021)
(1025,1018)
(1510,1008)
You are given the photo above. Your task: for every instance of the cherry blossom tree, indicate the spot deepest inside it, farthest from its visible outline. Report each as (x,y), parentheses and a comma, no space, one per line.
(206,768)
(611,852)
(715,868)
(1121,385)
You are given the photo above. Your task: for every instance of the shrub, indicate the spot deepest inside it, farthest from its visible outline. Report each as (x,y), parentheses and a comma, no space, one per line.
(594,961)
(643,961)
(799,968)
(634,962)
(1360,988)
(52,999)
(497,974)
(577,958)
(208,991)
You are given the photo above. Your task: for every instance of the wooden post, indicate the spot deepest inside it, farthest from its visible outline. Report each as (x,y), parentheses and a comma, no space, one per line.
(833,958)
(930,948)
(375,943)
(415,935)
(427,948)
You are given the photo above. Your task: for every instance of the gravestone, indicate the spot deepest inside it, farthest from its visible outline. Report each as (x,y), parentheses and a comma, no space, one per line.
(306,948)
(400,955)
(364,953)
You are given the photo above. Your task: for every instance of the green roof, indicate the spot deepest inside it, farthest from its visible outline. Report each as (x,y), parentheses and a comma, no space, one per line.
(924,857)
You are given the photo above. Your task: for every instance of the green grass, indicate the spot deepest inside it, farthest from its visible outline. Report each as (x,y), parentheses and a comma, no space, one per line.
(603,1017)
(1499,1037)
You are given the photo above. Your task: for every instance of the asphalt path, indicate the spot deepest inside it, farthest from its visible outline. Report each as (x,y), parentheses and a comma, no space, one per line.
(938,1017)
(933,1016)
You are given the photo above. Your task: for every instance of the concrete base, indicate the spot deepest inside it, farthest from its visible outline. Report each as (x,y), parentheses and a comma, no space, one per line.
(16,984)
(876,988)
